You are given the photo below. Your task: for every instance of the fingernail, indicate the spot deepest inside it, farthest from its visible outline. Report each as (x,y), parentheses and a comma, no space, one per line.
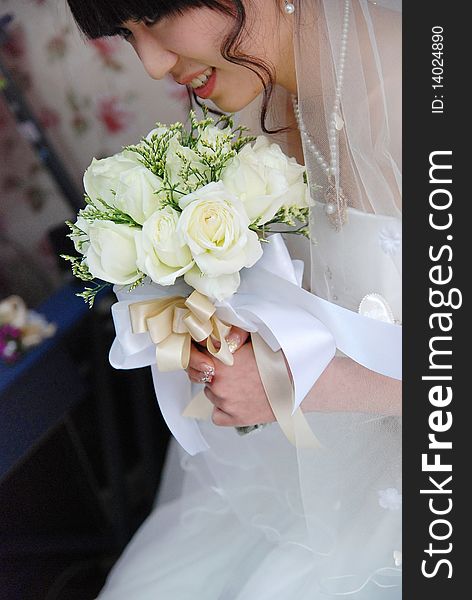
(233,343)
(208,374)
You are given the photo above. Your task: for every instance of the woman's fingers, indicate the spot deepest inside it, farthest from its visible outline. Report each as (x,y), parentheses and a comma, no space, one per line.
(212,397)
(236,338)
(202,364)
(201,368)
(219,416)
(197,376)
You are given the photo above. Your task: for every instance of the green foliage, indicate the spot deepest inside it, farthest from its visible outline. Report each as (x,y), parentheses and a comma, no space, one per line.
(77,235)
(89,294)
(207,159)
(293,216)
(79,267)
(153,151)
(106,212)
(137,283)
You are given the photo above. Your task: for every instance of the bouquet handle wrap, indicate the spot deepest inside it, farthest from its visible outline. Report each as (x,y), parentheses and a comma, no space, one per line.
(281,316)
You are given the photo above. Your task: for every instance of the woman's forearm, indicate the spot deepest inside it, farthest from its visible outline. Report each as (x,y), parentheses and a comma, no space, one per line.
(346,386)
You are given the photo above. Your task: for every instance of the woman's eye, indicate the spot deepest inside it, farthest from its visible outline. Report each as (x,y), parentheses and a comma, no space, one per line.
(149,21)
(126,34)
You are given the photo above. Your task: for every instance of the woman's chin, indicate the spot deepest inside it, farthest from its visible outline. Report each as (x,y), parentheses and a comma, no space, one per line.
(231,105)
(227,106)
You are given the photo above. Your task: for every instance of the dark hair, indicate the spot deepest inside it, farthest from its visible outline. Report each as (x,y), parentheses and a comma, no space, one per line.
(99,18)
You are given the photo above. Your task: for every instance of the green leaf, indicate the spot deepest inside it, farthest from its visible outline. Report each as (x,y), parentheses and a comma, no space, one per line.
(90,293)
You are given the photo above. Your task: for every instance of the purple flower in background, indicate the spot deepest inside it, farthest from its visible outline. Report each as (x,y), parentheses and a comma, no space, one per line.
(10,343)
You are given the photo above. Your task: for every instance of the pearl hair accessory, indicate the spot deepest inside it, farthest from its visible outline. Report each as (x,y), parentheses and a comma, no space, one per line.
(289,8)
(336,201)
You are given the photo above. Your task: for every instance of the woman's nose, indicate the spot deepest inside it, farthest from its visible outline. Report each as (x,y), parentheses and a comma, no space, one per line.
(156,59)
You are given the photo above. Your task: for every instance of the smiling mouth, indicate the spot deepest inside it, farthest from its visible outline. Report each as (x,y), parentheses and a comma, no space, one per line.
(204,85)
(201,80)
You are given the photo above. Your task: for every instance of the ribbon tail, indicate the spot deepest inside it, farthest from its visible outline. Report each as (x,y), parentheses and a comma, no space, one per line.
(199,408)
(280,393)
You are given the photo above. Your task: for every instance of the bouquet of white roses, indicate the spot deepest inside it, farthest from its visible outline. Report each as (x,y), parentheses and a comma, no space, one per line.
(194,203)
(178,223)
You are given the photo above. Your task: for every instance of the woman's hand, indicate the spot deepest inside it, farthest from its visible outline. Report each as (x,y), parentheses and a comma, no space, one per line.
(237,392)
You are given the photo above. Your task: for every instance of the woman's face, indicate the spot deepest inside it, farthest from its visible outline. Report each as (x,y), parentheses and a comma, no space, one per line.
(187,45)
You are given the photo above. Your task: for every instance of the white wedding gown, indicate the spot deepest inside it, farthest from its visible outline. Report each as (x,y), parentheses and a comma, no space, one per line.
(257,519)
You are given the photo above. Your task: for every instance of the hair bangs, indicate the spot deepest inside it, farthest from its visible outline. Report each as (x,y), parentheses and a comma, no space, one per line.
(100,18)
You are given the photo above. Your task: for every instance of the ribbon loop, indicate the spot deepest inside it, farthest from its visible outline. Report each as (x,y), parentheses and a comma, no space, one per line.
(200,306)
(160,325)
(141,311)
(198,330)
(178,319)
(173,353)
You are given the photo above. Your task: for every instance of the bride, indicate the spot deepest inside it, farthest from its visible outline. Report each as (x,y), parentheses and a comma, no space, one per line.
(259,518)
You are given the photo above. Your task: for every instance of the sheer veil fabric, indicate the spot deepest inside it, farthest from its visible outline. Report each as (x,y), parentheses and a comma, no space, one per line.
(361,144)
(258,518)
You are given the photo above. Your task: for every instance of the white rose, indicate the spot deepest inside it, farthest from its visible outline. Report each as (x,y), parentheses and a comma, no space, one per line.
(215,227)
(161,253)
(102,176)
(112,253)
(137,193)
(265,179)
(219,288)
(216,138)
(174,164)
(124,182)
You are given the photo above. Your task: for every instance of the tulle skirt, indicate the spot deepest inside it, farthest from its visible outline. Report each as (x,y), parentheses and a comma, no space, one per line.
(260,519)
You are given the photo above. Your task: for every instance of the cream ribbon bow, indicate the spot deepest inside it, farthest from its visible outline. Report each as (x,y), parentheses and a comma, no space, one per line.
(174,321)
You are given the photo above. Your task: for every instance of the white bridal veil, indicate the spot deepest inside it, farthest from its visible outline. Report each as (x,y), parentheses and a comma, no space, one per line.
(348,61)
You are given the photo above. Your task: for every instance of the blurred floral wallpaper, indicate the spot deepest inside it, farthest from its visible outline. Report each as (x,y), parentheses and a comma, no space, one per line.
(92,98)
